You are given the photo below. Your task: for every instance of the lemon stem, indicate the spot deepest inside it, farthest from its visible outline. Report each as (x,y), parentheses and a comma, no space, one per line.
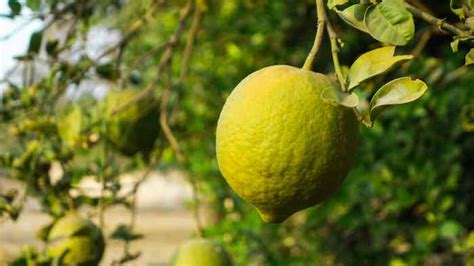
(334,48)
(308,64)
(325,23)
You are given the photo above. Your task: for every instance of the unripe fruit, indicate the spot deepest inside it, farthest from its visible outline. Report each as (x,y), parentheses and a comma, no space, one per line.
(135,128)
(201,252)
(74,240)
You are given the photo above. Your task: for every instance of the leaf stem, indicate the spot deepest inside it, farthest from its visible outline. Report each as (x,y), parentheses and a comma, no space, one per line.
(308,64)
(441,23)
(334,46)
(362,119)
(335,57)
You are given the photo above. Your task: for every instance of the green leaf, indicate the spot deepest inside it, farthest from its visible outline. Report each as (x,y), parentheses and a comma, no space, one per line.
(467,118)
(373,63)
(354,16)
(450,229)
(15,7)
(69,125)
(398,91)
(107,71)
(455,46)
(52,47)
(124,233)
(390,22)
(470,57)
(332,4)
(456,7)
(35,42)
(34,5)
(334,96)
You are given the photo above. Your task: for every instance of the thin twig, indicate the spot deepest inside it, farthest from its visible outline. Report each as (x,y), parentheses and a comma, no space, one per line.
(423,41)
(16,30)
(420,46)
(134,30)
(165,59)
(196,25)
(164,124)
(55,16)
(441,23)
(308,64)
(334,45)
(179,153)
(140,62)
(103,182)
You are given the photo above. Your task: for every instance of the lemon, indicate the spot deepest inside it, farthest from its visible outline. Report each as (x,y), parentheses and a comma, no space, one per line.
(201,252)
(135,128)
(74,240)
(280,146)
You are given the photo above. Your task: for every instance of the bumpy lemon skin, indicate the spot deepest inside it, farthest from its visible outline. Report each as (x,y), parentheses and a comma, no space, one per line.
(280,146)
(74,240)
(201,252)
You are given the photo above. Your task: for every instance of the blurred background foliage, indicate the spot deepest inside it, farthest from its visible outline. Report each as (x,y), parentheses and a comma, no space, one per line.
(408,200)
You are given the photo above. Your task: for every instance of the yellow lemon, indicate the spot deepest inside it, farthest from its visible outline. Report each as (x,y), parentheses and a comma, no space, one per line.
(74,240)
(201,252)
(280,146)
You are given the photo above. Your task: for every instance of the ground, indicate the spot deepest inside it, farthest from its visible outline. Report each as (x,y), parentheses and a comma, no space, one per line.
(161,218)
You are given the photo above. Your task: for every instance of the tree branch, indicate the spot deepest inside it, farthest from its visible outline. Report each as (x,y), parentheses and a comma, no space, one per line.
(441,23)
(165,59)
(308,64)
(191,39)
(334,45)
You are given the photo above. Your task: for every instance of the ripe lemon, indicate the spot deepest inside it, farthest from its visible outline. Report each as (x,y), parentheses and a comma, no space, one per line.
(74,240)
(280,146)
(201,252)
(135,128)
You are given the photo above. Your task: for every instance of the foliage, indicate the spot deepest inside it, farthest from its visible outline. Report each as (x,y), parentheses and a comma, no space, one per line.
(409,199)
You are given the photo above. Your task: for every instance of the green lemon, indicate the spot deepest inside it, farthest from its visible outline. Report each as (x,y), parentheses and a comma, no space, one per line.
(135,128)
(74,240)
(201,252)
(280,146)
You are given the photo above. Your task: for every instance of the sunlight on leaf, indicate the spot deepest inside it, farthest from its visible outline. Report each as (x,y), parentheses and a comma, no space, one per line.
(335,96)
(456,7)
(398,91)
(334,3)
(470,57)
(354,16)
(390,22)
(455,46)
(373,63)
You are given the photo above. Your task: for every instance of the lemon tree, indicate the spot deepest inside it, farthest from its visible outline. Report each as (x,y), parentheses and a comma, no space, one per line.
(407,197)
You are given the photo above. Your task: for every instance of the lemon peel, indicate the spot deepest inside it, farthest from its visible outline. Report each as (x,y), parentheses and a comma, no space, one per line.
(280,146)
